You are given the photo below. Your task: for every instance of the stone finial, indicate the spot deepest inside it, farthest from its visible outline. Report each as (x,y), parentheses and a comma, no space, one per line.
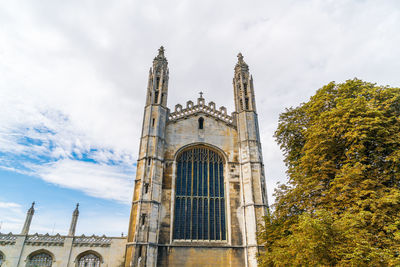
(189,104)
(161,51)
(211,105)
(222,109)
(241,64)
(240,58)
(200,100)
(160,58)
(178,108)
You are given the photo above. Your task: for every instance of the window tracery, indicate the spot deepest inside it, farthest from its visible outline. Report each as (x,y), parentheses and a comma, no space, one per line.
(40,260)
(199,199)
(89,260)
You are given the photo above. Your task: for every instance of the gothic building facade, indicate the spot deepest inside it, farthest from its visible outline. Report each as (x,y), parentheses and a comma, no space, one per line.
(200,188)
(199,193)
(44,250)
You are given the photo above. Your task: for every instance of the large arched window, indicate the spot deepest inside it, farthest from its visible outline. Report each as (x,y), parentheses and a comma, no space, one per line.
(200,198)
(89,260)
(41,259)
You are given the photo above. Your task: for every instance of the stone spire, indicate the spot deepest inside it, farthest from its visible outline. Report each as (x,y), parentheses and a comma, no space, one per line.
(28,220)
(74,221)
(157,88)
(243,87)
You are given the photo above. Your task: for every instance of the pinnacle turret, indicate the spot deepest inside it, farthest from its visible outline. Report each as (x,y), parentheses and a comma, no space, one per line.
(74,221)
(243,87)
(157,88)
(28,220)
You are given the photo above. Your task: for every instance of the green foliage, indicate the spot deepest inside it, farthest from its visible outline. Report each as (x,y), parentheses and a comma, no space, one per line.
(341,205)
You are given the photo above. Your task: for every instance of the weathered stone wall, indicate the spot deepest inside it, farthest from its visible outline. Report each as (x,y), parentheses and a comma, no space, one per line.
(200,256)
(222,136)
(165,134)
(65,252)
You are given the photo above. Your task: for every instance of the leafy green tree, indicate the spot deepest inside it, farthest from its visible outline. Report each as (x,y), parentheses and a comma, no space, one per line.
(341,205)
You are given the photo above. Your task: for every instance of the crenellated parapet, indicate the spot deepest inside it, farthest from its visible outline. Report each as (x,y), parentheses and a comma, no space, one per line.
(92,241)
(45,240)
(201,107)
(7,239)
(58,240)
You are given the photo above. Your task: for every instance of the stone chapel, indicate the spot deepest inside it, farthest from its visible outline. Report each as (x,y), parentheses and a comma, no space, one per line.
(200,188)
(199,193)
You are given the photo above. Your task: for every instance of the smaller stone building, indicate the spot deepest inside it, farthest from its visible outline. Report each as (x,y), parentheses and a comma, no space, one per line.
(20,250)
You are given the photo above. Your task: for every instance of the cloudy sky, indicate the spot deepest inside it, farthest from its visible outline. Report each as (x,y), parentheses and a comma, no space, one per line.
(73,78)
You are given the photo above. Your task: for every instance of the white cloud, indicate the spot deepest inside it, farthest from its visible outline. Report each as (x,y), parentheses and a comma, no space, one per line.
(79,68)
(97,180)
(11,216)
(9,205)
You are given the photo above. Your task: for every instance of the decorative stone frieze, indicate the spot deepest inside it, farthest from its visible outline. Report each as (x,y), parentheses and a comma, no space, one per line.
(92,241)
(7,239)
(45,240)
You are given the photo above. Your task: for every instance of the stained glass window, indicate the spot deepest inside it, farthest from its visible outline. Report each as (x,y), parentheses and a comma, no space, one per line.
(89,260)
(40,260)
(199,200)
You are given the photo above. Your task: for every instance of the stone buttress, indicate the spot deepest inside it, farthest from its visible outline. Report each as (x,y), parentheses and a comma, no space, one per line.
(253,192)
(144,219)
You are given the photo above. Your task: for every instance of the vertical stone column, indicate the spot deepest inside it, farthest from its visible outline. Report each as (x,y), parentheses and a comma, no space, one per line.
(28,220)
(145,212)
(252,179)
(74,221)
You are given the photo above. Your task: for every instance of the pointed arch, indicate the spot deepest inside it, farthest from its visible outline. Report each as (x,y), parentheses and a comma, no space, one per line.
(40,258)
(2,258)
(90,257)
(200,202)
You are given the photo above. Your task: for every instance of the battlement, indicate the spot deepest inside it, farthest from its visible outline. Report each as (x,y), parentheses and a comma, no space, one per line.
(7,239)
(201,107)
(58,240)
(45,240)
(92,241)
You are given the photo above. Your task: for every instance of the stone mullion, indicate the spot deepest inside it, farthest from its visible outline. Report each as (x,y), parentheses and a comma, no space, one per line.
(208,208)
(219,202)
(216,199)
(184,174)
(215,217)
(191,198)
(199,195)
(206,197)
